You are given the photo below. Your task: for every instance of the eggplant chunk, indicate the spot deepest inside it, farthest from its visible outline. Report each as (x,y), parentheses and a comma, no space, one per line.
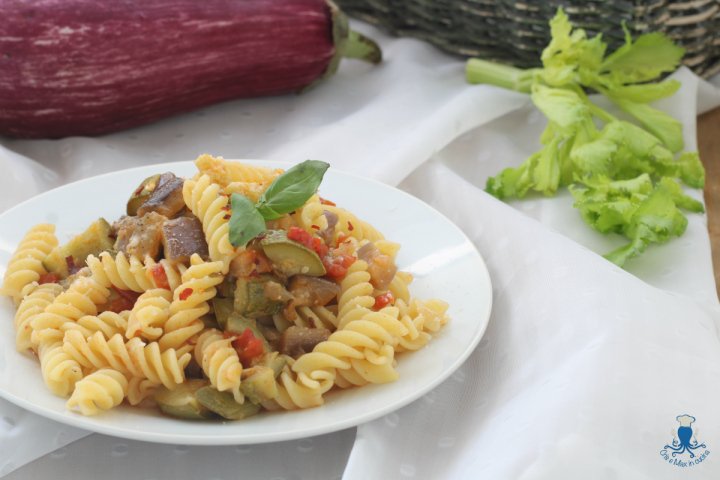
(310,291)
(141,194)
(300,340)
(182,237)
(166,199)
(381,268)
(146,237)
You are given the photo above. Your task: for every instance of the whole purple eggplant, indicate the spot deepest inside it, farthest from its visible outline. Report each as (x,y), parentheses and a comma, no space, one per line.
(89,67)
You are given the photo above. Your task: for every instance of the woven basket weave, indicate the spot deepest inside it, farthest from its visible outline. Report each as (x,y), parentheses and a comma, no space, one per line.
(516,32)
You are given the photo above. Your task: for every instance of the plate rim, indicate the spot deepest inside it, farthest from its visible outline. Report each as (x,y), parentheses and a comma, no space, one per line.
(76,420)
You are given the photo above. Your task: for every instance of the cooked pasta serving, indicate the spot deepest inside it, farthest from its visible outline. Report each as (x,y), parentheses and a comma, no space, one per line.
(222,295)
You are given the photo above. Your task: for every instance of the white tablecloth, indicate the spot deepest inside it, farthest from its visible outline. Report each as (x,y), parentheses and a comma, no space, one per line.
(584,366)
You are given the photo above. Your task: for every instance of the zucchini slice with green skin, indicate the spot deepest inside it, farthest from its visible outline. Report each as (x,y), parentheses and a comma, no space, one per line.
(289,258)
(223,309)
(182,402)
(225,405)
(141,194)
(258,384)
(93,241)
(250,300)
(275,361)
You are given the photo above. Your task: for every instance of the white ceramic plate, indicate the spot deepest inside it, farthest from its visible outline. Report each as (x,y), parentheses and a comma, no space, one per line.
(445,263)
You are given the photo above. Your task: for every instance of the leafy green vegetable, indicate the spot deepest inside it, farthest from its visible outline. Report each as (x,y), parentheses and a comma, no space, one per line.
(246,221)
(286,193)
(618,163)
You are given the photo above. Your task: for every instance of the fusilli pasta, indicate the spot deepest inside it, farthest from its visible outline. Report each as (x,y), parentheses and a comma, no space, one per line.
(220,362)
(104,389)
(25,266)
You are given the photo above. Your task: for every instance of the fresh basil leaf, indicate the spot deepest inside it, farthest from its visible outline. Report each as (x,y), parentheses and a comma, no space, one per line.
(293,188)
(268,213)
(246,222)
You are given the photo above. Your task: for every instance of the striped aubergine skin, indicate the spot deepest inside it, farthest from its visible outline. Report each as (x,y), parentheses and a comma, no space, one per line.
(89,67)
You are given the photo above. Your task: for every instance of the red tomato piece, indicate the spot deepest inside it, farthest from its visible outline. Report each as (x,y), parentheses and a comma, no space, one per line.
(185,294)
(320,248)
(299,235)
(48,278)
(248,347)
(157,274)
(342,238)
(336,266)
(382,301)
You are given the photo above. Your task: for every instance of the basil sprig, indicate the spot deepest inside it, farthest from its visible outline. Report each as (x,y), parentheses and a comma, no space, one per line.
(286,193)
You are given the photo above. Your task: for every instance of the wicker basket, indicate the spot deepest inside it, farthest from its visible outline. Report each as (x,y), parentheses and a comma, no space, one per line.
(516,32)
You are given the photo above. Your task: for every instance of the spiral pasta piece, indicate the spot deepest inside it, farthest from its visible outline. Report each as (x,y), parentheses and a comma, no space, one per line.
(297,391)
(139,389)
(149,315)
(361,353)
(242,172)
(129,273)
(108,323)
(25,266)
(134,358)
(32,304)
(348,224)
(59,370)
(355,298)
(104,389)
(79,300)
(190,302)
(203,198)
(220,362)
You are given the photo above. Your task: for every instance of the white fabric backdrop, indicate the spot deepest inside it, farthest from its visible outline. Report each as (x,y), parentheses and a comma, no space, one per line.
(584,366)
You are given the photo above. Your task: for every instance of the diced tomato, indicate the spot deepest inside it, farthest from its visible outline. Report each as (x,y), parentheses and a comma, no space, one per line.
(299,235)
(342,238)
(336,266)
(125,302)
(382,301)
(185,294)
(157,274)
(320,248)
(73,268)
(48,278)
(248,347)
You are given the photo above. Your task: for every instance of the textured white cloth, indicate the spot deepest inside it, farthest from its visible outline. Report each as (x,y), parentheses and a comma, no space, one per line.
(584,367)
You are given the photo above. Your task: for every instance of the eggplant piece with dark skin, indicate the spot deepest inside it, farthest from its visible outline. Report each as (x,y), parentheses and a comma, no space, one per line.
(182,237)
(146,237)
(381,268)
(309,291)
(166,199)
(328,235)
(300,340)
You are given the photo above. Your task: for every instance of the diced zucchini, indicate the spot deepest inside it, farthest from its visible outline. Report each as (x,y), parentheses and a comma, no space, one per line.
(223,309)
(93,241)
(258,384)
(236,323)
(209,321)
(225,405)
(275,361)
(227,287)
(289,258)
(141,194)
(182,402)
(250,301)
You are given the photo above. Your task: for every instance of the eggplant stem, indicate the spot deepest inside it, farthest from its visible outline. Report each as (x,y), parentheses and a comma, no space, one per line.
(361,47)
